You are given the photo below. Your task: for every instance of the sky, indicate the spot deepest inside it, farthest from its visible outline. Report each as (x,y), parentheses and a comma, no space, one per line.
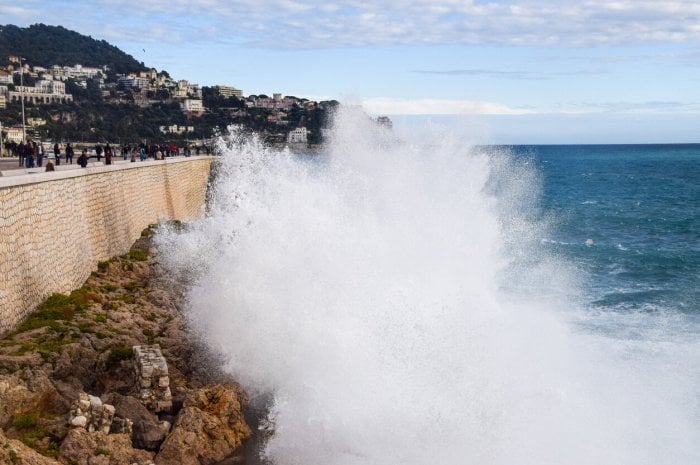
(510,71)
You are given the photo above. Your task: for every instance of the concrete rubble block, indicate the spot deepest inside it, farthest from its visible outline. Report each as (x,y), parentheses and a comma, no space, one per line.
(151,377)
(90,413)
(78,421)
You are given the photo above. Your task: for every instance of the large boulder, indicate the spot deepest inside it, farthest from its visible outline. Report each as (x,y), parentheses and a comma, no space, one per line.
(85,448)
(208,429)
(148,432)
(29,391)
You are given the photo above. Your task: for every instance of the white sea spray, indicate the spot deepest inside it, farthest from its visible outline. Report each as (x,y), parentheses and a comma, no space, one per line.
(391,296)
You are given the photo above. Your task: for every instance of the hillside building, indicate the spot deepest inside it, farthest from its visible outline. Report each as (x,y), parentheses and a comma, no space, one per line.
(14,134)
(228,91)
(175,129)
(192,106)
(297,136)
(43,92)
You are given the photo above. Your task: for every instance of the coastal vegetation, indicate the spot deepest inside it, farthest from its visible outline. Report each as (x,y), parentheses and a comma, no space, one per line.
(83,342)
(126,102)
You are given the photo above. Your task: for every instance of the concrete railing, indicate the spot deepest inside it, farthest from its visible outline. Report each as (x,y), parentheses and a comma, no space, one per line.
(56,226)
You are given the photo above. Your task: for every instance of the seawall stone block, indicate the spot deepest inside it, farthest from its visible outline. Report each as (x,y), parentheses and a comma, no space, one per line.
(55,227)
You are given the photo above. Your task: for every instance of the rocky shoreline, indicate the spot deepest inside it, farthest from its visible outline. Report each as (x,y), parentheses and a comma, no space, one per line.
(72,391)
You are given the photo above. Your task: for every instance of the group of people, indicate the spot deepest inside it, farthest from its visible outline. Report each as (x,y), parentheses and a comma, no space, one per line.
(143,152)
(32,154)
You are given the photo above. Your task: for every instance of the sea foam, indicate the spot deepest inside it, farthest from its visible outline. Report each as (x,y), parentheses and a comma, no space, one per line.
(393,300)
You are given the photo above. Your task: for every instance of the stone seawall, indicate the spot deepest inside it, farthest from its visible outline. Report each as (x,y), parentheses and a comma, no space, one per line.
(55,227)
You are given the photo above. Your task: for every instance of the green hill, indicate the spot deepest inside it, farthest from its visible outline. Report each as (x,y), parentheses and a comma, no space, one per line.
(43,45)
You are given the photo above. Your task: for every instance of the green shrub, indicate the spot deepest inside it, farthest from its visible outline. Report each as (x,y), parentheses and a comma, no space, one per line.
(109,288)
(101,318)
(131,286)
(103,266)
(117,354)
(101,451)
(26,421)
(127,299)
(148,332)
(138,254)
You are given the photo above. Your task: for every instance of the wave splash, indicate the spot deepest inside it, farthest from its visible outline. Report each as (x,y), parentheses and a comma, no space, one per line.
(393,300)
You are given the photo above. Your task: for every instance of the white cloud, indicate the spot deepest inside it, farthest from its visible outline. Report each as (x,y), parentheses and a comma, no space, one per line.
(388,106)
(351,23)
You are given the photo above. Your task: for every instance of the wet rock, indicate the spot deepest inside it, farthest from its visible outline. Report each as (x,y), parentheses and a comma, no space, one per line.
(208,429)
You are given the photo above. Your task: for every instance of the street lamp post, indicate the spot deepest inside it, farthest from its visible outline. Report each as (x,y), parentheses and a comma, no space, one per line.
(21,98)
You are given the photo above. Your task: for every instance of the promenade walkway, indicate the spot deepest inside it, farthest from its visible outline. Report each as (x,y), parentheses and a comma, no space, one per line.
(10,166)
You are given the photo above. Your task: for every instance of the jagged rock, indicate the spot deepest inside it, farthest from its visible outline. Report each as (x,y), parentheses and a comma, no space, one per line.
(29,391)
(86,448)
(122,426)
(13,451)
(148,432)
(208,429)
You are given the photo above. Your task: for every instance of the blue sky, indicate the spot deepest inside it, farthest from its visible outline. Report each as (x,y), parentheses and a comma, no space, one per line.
(519,71)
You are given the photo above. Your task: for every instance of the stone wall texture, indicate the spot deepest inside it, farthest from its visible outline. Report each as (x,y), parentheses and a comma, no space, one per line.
(55,227)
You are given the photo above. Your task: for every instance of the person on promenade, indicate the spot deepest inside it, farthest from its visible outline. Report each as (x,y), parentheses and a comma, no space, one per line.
(98,152)
(57,153)
(39,154)
(142,155)
(21,152)
(108,154)
(30,152)
(49,166)
(126,151)
(83,159)
(69,153)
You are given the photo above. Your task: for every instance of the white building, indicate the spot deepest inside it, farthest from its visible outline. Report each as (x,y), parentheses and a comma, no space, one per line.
(43,92)
(192,106)
(14,134)
(175,129)
(228,91)
(135,82)
(5,78)
(79,72)
(297,136)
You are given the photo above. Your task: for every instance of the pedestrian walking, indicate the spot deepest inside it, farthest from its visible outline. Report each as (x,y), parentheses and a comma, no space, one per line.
(69,153)
(39,154)
(108,154)
(57,153)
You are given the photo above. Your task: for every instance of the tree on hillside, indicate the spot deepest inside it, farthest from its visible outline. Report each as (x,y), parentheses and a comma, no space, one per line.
(43,45)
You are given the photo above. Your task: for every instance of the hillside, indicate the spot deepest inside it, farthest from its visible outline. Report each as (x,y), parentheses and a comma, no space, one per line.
(44,45)
(129,103)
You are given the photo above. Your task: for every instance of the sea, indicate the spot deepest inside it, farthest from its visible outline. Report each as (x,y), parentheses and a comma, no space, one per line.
(397,300)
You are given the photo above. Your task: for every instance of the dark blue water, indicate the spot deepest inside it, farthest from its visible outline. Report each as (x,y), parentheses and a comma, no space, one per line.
(628,217)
